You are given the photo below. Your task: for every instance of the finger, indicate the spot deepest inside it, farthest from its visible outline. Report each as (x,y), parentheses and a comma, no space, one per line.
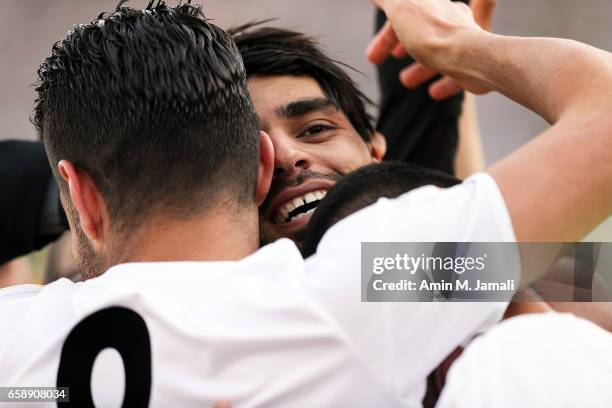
(483,12)
(382,44)
(444,89)
(399,51)
(415,75)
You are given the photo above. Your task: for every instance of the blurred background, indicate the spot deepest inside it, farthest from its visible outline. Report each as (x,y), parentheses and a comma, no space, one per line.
(29,27)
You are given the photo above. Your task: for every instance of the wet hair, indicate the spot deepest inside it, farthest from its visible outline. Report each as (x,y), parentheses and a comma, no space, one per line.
(153,104)
(364,187)
(276,51)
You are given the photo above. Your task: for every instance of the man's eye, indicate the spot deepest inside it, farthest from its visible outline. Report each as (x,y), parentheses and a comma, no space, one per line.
(316,130)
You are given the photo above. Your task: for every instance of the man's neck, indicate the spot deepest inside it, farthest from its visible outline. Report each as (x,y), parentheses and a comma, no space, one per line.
(210,238)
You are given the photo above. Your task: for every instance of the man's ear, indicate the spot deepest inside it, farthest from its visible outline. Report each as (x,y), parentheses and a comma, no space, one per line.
(87,202)
(378,147)
(266,167)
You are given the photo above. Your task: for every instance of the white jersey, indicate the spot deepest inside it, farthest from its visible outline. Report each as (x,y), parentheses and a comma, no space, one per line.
(269,330)
(535,360)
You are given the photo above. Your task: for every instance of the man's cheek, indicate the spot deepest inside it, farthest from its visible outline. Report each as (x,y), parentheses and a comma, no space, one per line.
(342,162)
(349,167)
(354,158)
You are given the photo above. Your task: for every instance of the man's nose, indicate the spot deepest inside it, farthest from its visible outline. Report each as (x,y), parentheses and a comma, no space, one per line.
(289,158)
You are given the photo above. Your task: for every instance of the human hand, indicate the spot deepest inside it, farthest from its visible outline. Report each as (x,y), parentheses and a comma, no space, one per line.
(439,19)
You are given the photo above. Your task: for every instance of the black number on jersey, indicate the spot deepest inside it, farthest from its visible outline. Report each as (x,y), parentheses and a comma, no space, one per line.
(117,328)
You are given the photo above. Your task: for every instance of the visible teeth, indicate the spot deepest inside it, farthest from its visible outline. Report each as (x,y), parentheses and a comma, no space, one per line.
(297,202)
(284,213)
(302,215)
(310,197)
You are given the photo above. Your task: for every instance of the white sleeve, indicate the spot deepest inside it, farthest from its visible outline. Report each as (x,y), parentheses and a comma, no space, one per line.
(534,360)
(404,342)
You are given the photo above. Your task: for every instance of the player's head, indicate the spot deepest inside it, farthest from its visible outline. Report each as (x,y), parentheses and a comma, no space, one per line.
(364,187)
(316,117)
(148,114)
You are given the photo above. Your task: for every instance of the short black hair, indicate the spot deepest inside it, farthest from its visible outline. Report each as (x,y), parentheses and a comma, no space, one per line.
(364,187)
(154,105)
(277,51)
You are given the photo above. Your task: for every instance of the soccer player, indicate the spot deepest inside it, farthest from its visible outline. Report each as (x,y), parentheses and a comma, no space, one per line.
(262,327)
(519,363)
(279,64)
(155,143)
(417,129)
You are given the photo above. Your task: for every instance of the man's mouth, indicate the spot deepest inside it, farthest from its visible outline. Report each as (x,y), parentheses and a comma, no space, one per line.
(298,207)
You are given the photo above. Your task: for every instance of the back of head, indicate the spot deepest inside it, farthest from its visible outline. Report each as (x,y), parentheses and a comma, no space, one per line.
(276,51)
(364,187)
(153,105)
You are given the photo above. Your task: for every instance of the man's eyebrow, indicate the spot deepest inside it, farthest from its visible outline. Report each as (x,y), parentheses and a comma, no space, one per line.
(302,107)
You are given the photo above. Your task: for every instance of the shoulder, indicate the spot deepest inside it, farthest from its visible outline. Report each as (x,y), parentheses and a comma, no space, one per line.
(471,211)
(15,298)
(480,187)
(545,357)
(15,301)
(18,292)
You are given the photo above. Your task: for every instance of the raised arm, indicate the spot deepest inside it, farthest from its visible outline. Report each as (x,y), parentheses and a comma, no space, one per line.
(559,186)
(418,129)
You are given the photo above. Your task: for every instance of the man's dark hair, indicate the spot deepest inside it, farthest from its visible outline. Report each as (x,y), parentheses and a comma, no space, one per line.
(277,51)
(364,187)
(153,104)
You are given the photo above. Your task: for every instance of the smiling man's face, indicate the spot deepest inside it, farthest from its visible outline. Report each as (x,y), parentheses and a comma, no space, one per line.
(314,146)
